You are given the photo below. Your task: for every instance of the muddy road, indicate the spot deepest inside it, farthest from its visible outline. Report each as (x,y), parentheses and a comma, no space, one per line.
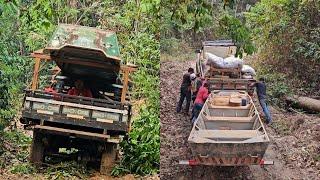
(294,145)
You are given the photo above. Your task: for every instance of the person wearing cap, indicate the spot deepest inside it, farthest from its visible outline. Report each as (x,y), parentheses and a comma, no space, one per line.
(202,96)
(185,91)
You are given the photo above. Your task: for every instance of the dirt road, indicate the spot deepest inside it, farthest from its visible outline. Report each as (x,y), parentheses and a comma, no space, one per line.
(294,139)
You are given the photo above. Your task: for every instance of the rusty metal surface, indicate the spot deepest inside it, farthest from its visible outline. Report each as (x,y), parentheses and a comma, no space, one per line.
(84,37)
(229,161)
(228,150)
(86,53)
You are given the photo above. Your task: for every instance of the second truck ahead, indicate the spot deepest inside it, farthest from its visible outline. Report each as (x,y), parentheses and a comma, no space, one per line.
(89,127)
(228,130)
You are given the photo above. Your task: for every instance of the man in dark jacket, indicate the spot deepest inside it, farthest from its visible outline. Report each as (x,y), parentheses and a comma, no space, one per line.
(185,91)
(262,95)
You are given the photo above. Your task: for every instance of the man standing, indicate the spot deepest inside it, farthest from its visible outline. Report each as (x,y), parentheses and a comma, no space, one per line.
(262,95)
(202,96)
(185,91)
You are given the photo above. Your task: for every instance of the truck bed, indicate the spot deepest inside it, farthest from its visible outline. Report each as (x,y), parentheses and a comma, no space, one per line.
(228,134)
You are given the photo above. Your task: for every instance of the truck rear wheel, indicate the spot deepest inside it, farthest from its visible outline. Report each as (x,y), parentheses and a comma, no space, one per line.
(37,149)
(108,158)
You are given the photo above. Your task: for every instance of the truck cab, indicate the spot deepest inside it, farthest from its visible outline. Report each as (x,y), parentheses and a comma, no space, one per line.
(92,126)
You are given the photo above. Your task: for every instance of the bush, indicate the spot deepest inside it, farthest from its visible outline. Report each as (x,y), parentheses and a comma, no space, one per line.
(287,34)
(23,168)
(142,148)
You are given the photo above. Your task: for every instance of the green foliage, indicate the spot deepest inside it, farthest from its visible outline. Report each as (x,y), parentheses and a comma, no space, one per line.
(140,46)
(14,68)
(137,24)
(66,170)
(184,16)
(16,154)
(239,33)
(141,149)
(23,168)
(287,34)
(277,87)
(18,138)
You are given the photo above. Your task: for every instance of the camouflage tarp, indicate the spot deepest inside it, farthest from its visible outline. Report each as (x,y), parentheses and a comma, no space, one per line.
(85,52)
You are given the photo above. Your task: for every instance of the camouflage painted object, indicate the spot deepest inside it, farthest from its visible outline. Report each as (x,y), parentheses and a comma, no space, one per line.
(82,51)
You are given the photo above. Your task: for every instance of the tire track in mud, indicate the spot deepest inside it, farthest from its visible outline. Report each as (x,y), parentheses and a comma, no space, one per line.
(175,129)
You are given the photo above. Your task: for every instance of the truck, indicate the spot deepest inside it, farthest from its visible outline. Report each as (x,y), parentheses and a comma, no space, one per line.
(85,128)
(228,130)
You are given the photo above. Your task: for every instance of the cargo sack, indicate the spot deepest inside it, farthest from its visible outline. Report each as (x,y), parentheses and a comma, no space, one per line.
(213,60)
(232,62)
(227,63)
(248,70)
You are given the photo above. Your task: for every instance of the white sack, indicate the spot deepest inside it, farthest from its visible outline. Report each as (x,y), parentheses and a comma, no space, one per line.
(248,69)
(214,60)
(227,63)
(232,62)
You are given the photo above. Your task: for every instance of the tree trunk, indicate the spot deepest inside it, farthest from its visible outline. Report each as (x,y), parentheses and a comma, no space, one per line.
(305,103)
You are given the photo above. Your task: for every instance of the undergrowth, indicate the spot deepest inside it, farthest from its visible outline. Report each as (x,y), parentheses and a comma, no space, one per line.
(173,49)
(15,158)
(142,148)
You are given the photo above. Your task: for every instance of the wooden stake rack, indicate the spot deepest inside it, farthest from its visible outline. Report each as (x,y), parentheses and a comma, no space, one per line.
(224,72)
(39,56)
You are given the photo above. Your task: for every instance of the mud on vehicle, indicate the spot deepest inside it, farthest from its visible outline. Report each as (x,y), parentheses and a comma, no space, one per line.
(91,126)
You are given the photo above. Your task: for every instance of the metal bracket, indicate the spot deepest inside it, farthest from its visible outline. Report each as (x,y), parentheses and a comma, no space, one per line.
(266,162)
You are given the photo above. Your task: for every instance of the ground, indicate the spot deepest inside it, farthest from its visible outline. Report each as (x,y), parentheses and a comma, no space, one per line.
(14,160)
(294,140)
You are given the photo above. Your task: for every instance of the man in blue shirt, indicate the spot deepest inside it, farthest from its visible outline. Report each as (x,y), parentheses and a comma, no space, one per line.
(262,95)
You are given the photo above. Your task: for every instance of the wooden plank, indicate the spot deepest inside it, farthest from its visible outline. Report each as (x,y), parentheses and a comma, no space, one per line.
(229,119)
(76,105)
(128,68)
(75,116)
(115,126)
(105,120)
(113,140)
(229,107)
(125,85)
(69,131)
(44,112)
(41,56)
(237,134)
(35,74)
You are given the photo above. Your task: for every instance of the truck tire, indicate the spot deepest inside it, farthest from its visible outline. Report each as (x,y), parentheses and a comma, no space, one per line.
(37,149)
(108,159)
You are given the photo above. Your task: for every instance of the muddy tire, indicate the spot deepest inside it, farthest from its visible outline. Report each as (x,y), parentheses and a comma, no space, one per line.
(108,159)
(37,149)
